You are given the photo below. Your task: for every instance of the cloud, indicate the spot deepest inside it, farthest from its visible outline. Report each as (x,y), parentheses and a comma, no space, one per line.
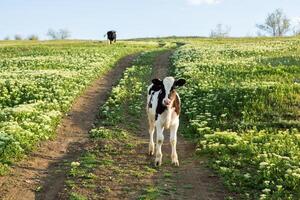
(201,2)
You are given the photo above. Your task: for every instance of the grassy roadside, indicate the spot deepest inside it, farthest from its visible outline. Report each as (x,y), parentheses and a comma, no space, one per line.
(113,163)
(39,82)
(242,106)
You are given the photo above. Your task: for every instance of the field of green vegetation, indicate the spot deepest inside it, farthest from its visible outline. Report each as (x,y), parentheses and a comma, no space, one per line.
(40,80)
(242,103)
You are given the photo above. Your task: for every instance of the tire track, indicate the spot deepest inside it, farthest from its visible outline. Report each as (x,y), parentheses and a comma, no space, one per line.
(42,175)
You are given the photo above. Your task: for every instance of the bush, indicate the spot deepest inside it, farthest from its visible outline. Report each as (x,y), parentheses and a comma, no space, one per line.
(33,37)
(18,37)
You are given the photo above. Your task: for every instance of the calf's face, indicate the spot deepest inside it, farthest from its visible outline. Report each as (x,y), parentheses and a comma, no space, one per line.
(168,86)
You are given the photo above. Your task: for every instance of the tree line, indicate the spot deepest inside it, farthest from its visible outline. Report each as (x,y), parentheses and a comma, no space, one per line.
(276,24)
(60,34)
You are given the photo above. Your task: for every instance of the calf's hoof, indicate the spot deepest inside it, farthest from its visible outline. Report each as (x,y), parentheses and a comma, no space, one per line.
(158,162)
(151,150)
(151,153)
(174,159)
(175,163)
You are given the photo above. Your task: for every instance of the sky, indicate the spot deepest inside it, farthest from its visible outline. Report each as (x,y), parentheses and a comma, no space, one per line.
(90,19)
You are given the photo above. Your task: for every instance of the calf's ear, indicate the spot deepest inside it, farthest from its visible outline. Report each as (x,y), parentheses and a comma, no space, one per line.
(156,81)
(180,82)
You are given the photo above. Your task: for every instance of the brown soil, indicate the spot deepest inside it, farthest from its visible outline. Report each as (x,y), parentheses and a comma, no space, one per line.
(192,179)
(129,176)
(41,174)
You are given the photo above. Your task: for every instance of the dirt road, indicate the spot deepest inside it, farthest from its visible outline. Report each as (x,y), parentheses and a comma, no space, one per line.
(43,169)
(42,175)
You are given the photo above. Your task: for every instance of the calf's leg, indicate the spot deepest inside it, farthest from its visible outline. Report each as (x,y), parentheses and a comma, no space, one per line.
(173,141)
(159,142)
(151,133)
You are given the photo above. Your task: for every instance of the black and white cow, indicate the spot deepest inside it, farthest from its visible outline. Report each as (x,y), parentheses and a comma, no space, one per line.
(111,36)
(163,109)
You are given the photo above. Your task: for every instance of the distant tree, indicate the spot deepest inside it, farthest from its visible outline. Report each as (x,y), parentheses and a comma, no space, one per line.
(59,35)
(18,37)
(260,34)
(64,34)
(7,38)
(52,34)
(276,23)
(220,31)
(33,37)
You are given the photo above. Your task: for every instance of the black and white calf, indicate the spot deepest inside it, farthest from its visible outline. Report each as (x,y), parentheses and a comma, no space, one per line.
(163,109)
(111,36)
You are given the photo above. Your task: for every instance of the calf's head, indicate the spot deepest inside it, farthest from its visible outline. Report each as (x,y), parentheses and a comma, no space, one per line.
(168,86)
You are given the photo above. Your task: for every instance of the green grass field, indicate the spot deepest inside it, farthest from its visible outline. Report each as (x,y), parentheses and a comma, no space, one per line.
(40,80)
(241,102)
